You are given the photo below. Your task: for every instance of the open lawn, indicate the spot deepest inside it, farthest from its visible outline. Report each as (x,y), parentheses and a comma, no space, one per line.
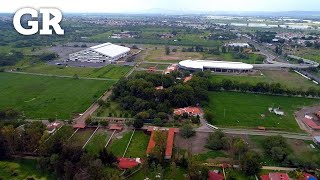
(22,169)
(253,58)
(309,53)
(110,71)
(243,110)
(81,137)
(288,79)
(97,142)
(119,144)
(49,97)
(138,145)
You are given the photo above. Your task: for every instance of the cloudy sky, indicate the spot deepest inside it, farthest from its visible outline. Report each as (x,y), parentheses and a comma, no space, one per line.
(118,6)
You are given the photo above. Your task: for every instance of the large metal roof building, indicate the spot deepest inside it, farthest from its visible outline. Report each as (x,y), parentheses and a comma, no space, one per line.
(216,66)
(103,53)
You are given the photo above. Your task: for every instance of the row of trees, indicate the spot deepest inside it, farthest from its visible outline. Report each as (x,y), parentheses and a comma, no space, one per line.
(238,148)
(262,87)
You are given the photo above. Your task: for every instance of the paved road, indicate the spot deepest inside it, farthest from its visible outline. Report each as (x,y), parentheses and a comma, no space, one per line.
(81,120)
(259,133)
(51,75)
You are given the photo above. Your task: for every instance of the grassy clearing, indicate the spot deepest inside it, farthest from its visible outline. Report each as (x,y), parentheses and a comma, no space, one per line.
(244,110)
(309,53)
(138,145)
(21,169)
(253,58)
(97,142)
(81,137)
(49,97)
(288,79)
(210,155)
(118,146)
(110,71)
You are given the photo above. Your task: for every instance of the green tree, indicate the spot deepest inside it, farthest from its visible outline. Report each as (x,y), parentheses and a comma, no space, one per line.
(250,164)
(187,131)
(138,123)
(167,49)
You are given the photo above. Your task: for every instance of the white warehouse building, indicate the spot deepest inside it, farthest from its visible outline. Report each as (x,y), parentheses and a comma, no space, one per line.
(103,53)
(215,66)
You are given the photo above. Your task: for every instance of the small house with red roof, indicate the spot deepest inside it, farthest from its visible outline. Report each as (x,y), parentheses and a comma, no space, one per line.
(128,163)
(171,68)
(191,111)
(275,176)
(116,127)
(215,175)
(188,78)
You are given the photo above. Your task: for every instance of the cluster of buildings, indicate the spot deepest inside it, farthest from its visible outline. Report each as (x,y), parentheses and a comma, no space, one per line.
(103,53)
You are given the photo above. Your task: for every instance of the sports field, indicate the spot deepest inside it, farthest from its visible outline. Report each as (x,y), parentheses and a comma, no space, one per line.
(110,71)
(97,142)
(138,145)
(288,79)
(49,97)
(119,144)
(250,110)
(252,58)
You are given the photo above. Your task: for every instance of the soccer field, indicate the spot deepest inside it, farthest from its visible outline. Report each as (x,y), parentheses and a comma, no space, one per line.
(49,97)
(110,71)
(250,110)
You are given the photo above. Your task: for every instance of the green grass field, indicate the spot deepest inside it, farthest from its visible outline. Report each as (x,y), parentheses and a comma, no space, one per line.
(288,79)
(97,142)
(118,146)
(244,110)
(138,145)
(110,71)
(49,97)
(21,169)
(253,58)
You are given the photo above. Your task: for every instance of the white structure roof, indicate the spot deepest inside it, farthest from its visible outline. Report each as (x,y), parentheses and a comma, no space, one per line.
(200,64)
(239,44)
(110,50)
(317,138)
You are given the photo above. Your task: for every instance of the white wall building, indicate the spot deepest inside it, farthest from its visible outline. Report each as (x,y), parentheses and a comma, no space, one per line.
(103,53)
(215,66)
(243,45)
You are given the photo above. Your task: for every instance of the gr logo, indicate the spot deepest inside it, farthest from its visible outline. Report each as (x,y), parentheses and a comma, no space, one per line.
(47,21)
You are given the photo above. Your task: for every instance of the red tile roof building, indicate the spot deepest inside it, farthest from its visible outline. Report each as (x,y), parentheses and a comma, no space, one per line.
(170,140)
(128,163)
(171,68)
(116,127)
(275,176)
(191,111)
(311,124)
(186,79)
(215,176)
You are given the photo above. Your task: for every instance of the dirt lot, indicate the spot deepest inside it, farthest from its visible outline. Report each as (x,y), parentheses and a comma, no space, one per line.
(195,144)
(308,111)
